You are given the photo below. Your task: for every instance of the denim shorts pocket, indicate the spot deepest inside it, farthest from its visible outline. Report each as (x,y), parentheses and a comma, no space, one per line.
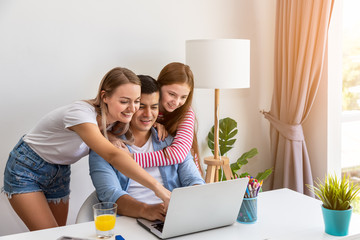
(26,157)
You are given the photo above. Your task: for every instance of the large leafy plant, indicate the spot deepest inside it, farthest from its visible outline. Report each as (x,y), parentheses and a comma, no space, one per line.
(227,132)
(335,193)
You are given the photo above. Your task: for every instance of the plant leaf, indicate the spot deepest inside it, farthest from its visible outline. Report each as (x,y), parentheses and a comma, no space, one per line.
(211,135)
(264,175)
(242,162)
(224,150)
(234,167)
(250,153)
(227,132)
(244,174)
(232,134)
(335,193)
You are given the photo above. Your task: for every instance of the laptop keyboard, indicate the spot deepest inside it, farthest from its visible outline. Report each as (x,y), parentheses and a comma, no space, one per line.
(158,226)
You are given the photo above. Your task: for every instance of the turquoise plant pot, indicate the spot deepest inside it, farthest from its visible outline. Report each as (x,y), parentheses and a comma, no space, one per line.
(336,221)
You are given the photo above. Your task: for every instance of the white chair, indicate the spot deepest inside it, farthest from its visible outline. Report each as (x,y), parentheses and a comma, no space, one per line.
(85,213)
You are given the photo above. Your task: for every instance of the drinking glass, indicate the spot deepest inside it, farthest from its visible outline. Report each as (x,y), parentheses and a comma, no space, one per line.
(104,217)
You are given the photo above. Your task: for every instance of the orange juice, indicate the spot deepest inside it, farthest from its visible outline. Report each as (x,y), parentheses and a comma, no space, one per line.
(105,222)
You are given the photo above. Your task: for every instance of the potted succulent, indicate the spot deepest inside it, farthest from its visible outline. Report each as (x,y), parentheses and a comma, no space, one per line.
(336,195)
(227,132)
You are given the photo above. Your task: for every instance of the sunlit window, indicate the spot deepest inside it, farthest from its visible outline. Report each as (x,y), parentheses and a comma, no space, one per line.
(350,152)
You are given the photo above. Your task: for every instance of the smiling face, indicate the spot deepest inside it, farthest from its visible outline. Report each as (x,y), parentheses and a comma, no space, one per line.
(123,103)
(147,114)
(173,96)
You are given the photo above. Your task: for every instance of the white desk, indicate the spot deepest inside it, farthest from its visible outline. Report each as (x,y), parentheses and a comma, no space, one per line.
(282,214)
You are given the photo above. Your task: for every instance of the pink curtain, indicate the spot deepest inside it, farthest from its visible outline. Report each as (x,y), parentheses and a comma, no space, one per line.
(300,50)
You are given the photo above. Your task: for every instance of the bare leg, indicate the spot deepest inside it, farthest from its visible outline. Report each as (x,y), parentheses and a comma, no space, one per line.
(60,211)
(34,210)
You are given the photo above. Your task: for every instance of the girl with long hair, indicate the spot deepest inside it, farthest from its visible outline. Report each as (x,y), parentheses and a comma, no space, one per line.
(176,83)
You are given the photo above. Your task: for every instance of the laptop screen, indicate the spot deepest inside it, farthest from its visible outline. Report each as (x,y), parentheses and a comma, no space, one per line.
(201,207)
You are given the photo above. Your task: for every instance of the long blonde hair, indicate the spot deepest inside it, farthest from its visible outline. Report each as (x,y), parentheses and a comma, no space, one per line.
(114,78)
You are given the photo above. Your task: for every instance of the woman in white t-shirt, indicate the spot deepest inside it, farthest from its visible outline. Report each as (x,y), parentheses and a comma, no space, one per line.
(37,174)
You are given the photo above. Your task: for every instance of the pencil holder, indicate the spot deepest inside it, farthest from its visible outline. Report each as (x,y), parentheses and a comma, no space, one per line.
(248,211)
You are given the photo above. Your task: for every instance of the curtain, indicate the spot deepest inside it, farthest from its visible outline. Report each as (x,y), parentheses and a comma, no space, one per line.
(300,56)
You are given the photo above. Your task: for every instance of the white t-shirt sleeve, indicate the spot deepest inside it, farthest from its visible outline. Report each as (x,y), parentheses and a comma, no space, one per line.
(79,112)
(53,141)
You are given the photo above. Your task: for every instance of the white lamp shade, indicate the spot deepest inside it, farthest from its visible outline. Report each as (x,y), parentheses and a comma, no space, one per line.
(219,63)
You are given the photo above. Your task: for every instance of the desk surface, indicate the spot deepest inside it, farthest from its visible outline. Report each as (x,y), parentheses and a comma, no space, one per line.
(282,214)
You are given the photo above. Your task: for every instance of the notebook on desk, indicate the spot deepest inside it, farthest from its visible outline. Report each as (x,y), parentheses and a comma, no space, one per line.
(198,208)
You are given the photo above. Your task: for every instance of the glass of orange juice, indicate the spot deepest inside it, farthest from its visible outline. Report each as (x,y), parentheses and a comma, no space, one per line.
(104,217)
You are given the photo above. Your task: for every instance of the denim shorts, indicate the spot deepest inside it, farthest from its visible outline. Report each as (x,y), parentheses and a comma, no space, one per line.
(27,172)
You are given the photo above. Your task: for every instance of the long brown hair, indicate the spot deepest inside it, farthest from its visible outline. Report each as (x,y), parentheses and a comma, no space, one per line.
(180,73)
(114,78)
(171,74)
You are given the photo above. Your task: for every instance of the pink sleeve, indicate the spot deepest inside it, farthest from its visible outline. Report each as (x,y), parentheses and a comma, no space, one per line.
(177,151)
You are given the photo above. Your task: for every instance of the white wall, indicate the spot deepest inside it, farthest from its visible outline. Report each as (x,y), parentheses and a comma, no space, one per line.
(55,52)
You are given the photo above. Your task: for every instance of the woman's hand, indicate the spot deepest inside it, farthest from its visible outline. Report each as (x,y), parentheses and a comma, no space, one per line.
(162,133)
(163,194)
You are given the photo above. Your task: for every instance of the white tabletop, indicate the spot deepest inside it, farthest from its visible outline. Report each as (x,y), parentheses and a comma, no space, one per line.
(282,214)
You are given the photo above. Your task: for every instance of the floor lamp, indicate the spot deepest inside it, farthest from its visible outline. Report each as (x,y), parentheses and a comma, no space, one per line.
(219,64)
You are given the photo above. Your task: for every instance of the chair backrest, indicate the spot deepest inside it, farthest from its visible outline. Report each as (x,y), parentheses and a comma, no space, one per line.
(85,213)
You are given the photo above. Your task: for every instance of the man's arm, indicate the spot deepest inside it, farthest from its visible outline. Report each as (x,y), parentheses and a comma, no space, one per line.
(128,206)
(109,184)
(106,179)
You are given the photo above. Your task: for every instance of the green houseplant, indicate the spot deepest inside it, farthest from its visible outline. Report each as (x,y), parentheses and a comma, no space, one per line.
(227,132)
(336,195)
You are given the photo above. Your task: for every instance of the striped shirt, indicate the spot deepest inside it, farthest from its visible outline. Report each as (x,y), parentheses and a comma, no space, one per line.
(177,151)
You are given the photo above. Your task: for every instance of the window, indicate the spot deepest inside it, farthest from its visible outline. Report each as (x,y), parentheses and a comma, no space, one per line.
(350,152)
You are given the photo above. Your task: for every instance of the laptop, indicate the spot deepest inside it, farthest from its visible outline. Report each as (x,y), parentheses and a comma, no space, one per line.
(198,208)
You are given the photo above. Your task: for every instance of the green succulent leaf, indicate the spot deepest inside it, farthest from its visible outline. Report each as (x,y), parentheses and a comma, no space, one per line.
(335,193)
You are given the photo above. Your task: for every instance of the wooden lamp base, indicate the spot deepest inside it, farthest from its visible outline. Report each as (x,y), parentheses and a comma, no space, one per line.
(212,171)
